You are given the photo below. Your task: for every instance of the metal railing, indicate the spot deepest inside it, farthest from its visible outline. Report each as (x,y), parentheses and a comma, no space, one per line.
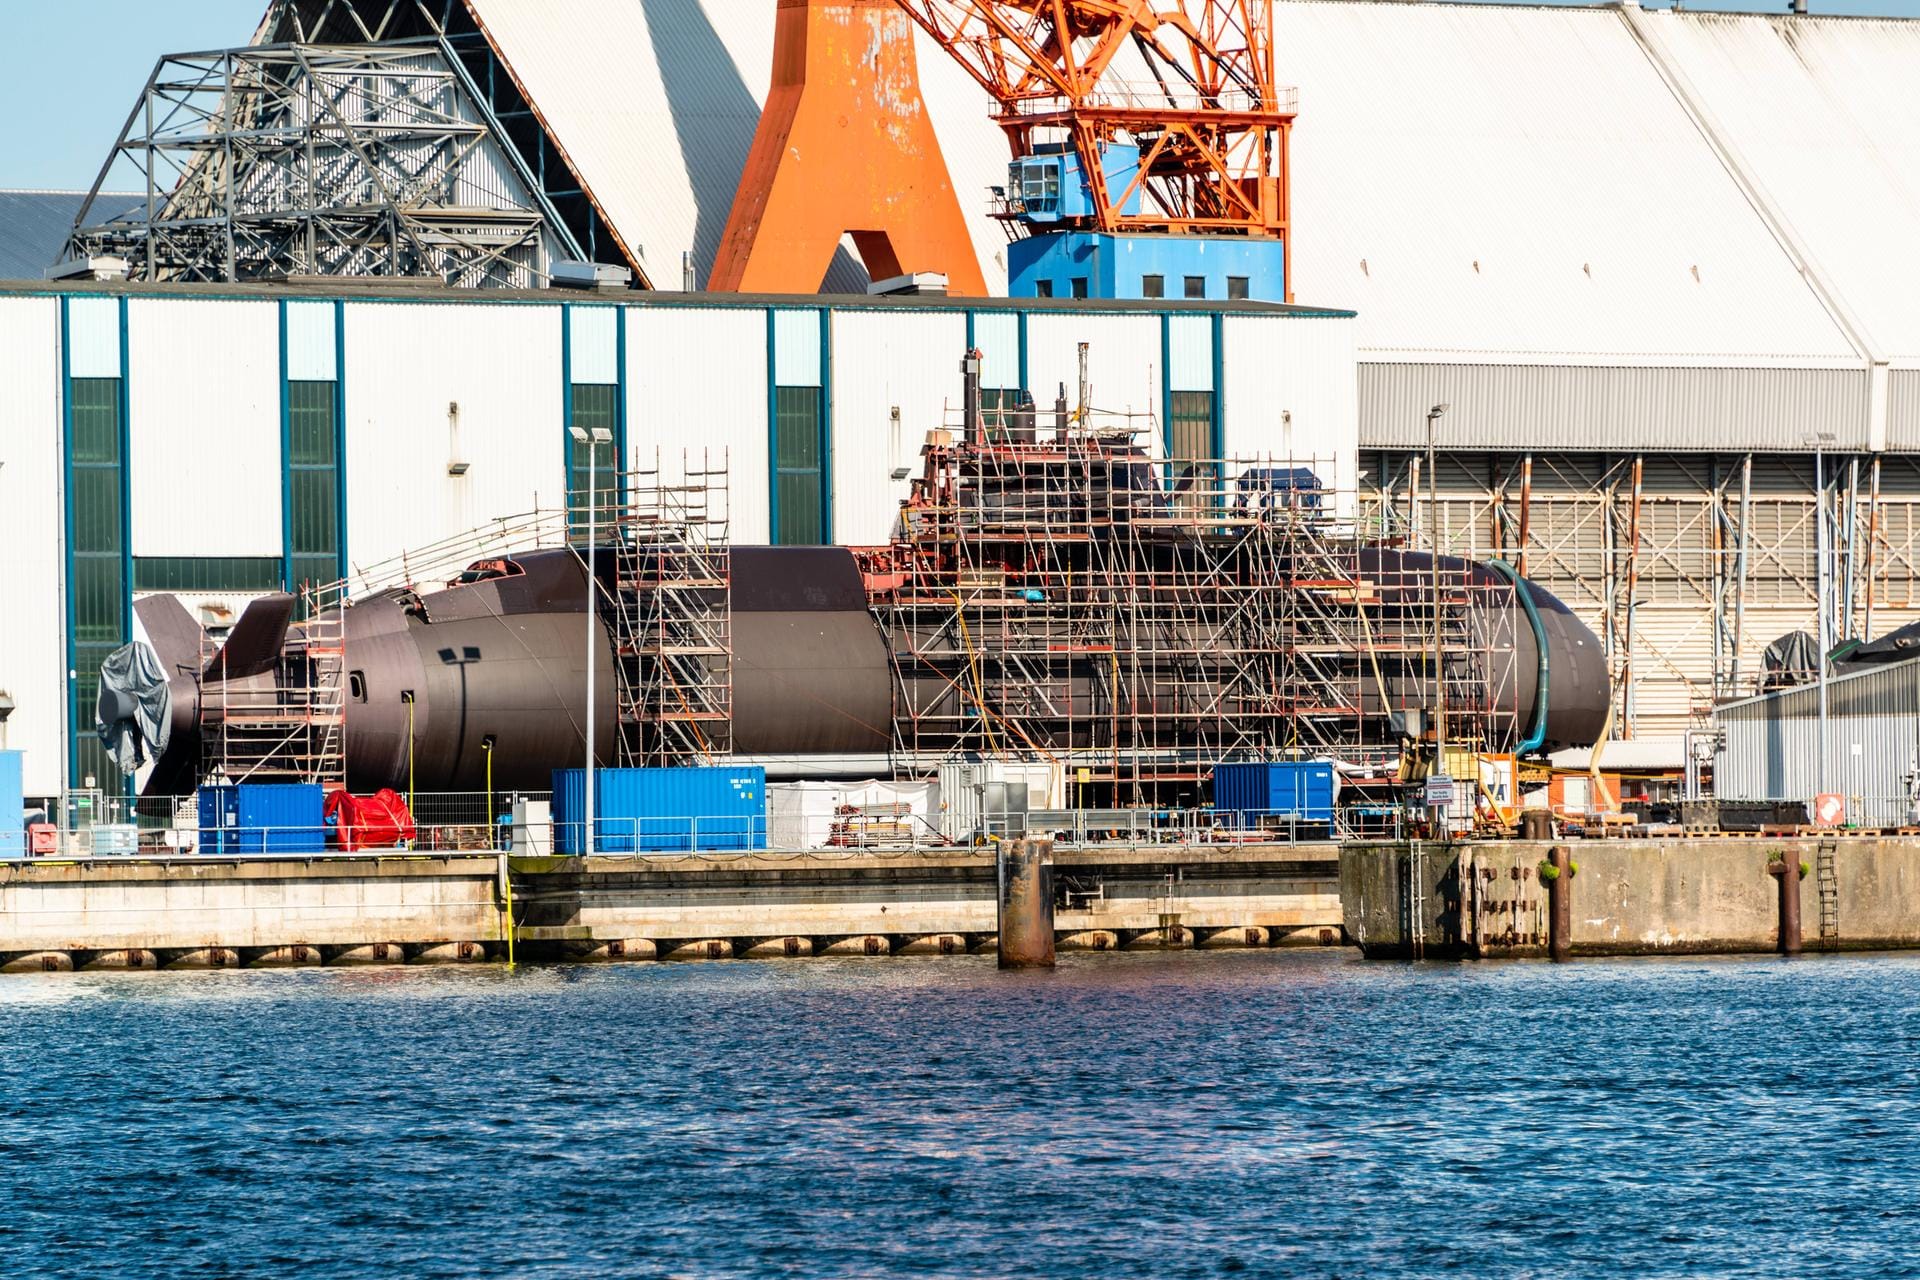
(514,822)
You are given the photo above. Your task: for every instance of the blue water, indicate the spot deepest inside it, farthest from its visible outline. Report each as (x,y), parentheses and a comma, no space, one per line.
(1184,1115)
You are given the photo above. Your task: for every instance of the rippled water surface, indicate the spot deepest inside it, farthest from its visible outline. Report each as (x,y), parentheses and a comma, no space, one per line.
(1269,1113)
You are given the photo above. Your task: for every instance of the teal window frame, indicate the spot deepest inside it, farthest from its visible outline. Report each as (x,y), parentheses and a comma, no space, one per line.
(800,466)
(98,563)
(313,485)
(593,406)
(206,573)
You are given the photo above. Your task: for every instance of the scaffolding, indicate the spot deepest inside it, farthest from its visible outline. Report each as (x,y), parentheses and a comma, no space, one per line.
(662,591)
(669,611)
(1066,594)
(280,717)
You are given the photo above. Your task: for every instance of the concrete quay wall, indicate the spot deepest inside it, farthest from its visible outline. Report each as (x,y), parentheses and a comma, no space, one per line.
(1630,897)
(222,912)
(941,900)
(219,912)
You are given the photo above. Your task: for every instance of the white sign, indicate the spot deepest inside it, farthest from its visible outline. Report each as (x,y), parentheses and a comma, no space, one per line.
(1439,791)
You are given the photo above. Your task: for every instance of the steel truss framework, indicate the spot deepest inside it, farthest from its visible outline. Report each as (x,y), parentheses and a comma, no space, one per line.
(1686,565)
(450,23)
(1139,620)
(1208,116)
(297,159)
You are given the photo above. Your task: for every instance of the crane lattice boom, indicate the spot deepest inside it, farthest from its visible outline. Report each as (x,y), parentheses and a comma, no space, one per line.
(1190,82)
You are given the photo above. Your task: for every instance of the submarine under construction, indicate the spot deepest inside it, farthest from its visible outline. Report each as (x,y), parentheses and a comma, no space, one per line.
(1054,591)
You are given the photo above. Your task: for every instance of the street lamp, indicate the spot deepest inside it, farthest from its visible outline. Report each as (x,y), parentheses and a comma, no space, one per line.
(1823,587)
(593,438)
(1433,549)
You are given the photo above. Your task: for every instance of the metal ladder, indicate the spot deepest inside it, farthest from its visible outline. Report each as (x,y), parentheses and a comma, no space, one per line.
(1416,901)
(1828,880)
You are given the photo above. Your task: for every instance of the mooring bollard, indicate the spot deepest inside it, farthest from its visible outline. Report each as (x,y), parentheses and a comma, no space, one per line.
(1786,872)
(1026,904)
(1560,905)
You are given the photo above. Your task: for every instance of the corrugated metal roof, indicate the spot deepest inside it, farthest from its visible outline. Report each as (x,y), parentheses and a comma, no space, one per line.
(34,226)
(1824,114)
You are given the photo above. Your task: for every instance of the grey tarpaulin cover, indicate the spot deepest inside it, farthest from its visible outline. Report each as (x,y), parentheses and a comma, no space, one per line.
(1791,660)
(135,710)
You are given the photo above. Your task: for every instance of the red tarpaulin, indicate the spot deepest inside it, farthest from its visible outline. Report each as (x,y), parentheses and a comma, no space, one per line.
(378,821)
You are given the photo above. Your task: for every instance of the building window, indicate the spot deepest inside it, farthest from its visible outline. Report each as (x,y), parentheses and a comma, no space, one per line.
(595,408)
(1079,284)
(1043,288)
(97,577)
(313,485)
(1191,425)
(799,474)
(1196,286)
(208,573)
(1237,288)
(1153,286)
(1190,444)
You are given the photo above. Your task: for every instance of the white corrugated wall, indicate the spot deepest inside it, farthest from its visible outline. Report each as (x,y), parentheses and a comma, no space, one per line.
(406,363)
(1822,112)
(1123,363)
(1772,749)
(203,395)
(885,361)
(1289,392)
(32,625)
(697,383)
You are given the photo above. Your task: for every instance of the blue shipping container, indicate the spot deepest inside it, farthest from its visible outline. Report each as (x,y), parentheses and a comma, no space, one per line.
(263,817)
(1253,793)
(662,810)
(13,823)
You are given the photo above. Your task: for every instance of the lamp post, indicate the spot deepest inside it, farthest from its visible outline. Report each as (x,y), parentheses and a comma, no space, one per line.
(1433,550)
(593,438)
(1823,585)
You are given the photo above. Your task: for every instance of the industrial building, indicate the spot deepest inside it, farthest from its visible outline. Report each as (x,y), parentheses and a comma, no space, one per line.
(1857,740)
(1653,262)
(222,442)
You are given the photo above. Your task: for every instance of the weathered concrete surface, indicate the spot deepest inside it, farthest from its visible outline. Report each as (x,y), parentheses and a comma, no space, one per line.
(1631,897)
(828,894)
(416,908)
(194,903)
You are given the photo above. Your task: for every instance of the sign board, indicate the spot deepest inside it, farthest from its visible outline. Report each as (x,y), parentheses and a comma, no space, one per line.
(1829,810)
(1439,791)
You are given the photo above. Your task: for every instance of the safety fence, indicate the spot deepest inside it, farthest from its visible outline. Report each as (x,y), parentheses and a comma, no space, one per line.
(522,824)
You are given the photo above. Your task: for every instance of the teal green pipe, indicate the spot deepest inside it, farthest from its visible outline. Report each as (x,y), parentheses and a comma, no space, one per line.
(1537,729)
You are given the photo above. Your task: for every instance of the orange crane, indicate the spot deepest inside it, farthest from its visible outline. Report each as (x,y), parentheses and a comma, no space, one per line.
(1159,121)
(1191,83)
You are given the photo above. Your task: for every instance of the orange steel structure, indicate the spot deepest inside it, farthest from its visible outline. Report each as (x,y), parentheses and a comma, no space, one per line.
(1191,82)
(844,146)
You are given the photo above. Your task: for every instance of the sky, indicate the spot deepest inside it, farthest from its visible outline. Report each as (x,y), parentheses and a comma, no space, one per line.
(72,71)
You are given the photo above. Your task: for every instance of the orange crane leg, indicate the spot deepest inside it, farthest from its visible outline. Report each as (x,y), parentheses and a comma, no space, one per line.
(844,146)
